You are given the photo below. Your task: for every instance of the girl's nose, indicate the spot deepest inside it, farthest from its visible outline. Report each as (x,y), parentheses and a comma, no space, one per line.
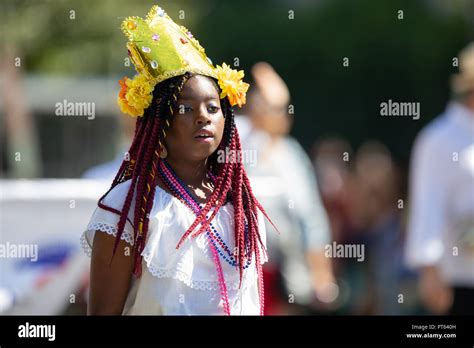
(203,116)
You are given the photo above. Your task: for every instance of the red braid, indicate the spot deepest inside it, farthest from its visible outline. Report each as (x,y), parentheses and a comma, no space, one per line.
(129,197)
(144,190)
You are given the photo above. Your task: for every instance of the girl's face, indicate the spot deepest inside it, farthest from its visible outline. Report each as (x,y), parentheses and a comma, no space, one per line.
(197,125)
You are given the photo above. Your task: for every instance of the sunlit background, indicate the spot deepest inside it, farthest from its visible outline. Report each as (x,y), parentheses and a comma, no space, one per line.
(340,60)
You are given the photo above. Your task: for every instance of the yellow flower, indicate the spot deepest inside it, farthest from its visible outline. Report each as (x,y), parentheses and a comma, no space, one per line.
(231,84)
(135,95)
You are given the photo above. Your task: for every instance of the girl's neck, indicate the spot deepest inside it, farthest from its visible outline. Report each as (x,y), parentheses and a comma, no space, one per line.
(191,173)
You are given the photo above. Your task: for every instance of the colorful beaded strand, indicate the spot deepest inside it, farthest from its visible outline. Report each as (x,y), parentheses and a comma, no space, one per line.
(181,192)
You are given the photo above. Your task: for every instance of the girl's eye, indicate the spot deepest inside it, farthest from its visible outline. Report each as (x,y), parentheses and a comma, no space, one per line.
(212,109)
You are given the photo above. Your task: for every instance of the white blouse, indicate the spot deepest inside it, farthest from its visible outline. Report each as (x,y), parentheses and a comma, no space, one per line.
(179,281)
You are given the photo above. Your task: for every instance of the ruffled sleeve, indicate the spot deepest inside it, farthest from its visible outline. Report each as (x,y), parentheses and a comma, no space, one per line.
(105,221)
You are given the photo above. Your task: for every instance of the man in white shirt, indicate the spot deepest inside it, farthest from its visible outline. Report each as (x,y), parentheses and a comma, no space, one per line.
(440,240)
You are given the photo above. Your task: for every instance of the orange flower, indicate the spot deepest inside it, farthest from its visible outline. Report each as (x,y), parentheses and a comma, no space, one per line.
(135,95)
(123,87)
(231,84)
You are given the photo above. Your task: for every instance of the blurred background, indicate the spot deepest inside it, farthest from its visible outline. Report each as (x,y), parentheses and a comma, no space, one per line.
(329,66)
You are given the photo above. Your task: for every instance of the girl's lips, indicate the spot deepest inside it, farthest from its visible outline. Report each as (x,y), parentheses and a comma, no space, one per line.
(204,135)
(204,140)
(204,132)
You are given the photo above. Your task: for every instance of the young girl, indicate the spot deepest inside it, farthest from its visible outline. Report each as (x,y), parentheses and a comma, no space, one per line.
(183,232)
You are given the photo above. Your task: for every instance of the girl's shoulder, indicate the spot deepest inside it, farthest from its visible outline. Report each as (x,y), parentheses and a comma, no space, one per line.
(116,197)
(105,220)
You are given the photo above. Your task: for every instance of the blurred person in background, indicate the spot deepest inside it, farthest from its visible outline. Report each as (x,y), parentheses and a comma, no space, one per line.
(330,157)
(441,229)
(299,278)
(360,194)
(375,214)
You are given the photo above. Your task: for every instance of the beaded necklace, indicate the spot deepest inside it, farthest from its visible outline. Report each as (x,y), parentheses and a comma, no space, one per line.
(180,191)
(188,199)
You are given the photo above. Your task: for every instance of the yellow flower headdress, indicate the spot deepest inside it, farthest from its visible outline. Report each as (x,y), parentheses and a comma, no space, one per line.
(161,49)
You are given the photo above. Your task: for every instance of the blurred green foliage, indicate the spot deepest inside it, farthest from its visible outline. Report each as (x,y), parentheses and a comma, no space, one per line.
(407,59)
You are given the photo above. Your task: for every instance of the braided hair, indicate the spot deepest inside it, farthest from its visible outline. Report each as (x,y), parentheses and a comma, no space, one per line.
(141,166)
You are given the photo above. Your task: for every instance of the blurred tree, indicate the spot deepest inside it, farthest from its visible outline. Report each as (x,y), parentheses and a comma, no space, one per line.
(408,59)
